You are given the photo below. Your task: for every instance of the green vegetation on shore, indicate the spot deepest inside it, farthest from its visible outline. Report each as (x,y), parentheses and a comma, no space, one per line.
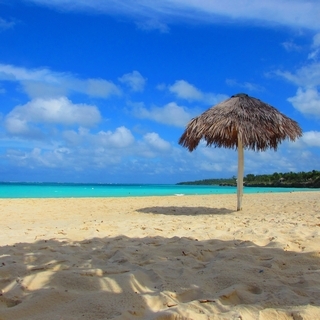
(309,179)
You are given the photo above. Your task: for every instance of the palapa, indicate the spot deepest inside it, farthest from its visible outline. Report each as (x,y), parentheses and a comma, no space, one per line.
(240,122)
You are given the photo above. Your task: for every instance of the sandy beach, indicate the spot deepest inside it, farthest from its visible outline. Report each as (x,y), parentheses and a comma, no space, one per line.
(178,257)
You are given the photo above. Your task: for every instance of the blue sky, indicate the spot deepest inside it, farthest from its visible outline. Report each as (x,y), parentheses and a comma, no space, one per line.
(101,91)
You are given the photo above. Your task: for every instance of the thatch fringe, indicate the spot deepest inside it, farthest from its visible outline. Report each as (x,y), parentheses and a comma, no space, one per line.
(258,125)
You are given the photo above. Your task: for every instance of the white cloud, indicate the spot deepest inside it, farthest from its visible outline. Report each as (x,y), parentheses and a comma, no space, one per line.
(313,55)
(316,40)
(161,87)
(245,85)
(170,114)
(17,126)
(211,167)
(154,141)
(307,76)
(269,161)
(311,138)
(50,111)
(153,24)
(224,162)
(184,90)
(134,80)
(81,149)
(98,88)
(121,138)
(291,46)
(46,83)
(36,89)
(315,46)
(293,13)
(101,153)
(307,101)
(217,159)
(74,138)
(4,24)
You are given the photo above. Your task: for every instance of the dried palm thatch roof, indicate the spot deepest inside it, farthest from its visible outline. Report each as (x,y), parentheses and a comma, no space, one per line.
(258,125)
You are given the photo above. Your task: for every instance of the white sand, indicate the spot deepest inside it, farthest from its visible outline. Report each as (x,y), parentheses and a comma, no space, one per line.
(189,257)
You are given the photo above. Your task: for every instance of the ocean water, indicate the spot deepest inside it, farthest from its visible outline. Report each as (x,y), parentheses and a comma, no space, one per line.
(70,190)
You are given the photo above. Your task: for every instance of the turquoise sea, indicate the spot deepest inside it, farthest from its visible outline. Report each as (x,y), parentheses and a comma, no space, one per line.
(73,190)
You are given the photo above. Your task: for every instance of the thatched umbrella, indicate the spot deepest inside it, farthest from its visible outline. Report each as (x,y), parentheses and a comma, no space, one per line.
(240,122)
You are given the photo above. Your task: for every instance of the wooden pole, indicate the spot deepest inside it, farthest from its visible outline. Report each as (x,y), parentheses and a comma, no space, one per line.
(240,175)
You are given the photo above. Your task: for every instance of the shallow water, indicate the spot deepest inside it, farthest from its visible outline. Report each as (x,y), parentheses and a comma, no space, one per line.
(67,190)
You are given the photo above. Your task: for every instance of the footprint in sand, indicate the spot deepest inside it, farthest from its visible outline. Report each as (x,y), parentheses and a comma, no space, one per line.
(240,294)
(194,293)
(9,303)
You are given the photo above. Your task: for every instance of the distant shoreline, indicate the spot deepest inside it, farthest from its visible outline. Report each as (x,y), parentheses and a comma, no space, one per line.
(261,185)
(308,180)
(273,185)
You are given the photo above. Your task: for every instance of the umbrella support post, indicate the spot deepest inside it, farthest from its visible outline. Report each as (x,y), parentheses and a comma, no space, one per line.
(240,175)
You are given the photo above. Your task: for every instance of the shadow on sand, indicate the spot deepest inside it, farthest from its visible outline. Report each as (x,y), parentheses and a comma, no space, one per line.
(155,278)
(187,211)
